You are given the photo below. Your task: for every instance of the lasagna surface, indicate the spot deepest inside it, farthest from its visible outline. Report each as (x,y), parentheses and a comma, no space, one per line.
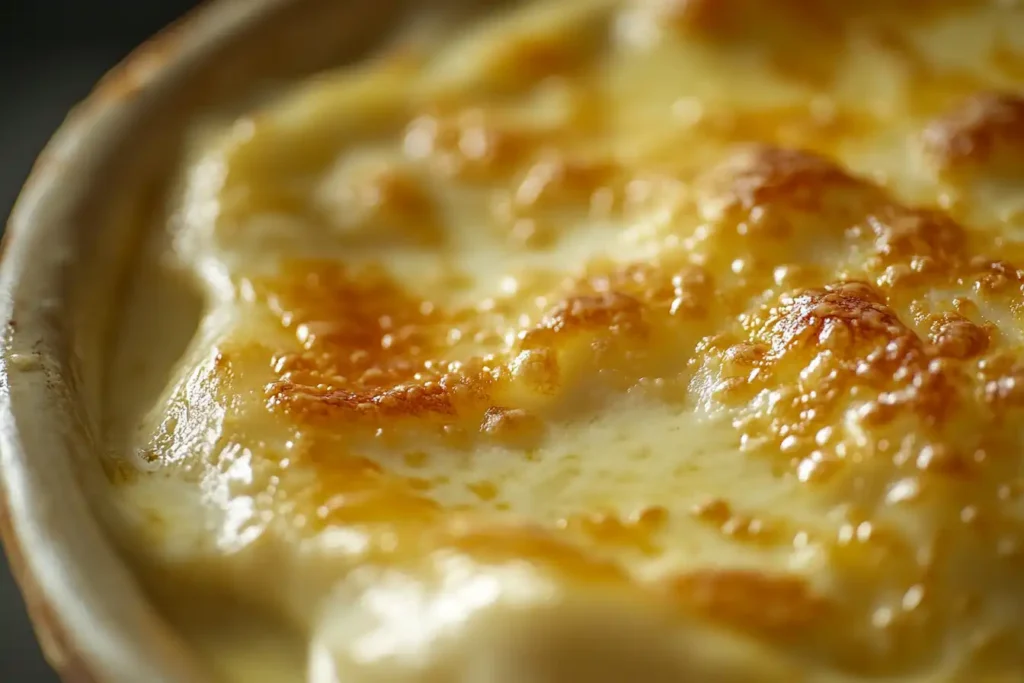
(597,340)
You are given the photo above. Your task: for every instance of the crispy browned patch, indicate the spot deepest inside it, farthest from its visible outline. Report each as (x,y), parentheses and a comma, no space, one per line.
(366,348)
(775,214)
(822,352)
(613,311)
(756,179)
(610,340)
(786,216)
(954,336)
(911,243)
(982,134)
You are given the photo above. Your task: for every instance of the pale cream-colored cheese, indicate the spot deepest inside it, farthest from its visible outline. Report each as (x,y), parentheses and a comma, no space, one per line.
(598,340)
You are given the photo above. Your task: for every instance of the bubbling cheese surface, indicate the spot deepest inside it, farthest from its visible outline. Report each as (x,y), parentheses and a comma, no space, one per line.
(600,340)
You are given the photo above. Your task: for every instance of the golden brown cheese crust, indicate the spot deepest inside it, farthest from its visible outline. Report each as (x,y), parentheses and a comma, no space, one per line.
(855,336)
(935,390)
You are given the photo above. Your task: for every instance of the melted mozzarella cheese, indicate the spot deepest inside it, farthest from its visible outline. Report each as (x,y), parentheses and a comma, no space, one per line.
(599,340)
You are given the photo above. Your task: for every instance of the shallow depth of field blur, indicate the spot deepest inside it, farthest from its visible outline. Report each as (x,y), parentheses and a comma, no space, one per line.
(51,52)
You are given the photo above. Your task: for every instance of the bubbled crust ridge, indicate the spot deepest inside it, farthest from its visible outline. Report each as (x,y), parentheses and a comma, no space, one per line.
(750,358)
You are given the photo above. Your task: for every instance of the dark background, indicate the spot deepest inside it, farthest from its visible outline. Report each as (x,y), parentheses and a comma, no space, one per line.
(51,52)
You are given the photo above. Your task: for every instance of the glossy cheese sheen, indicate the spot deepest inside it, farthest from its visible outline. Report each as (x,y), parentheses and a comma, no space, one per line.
(601,340)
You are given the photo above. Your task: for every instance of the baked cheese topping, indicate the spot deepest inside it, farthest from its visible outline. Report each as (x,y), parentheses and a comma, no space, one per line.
(602,340)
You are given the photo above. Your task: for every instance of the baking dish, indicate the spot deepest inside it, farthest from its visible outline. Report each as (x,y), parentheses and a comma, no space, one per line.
(729,394)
